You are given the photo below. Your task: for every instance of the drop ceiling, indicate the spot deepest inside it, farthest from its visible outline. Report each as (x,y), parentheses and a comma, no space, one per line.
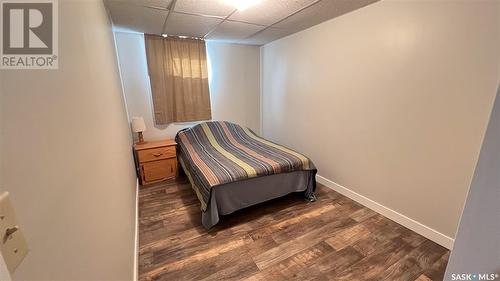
(261,23)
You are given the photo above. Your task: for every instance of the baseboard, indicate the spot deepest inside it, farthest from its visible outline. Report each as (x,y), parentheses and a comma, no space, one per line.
(136,236)
(403,220)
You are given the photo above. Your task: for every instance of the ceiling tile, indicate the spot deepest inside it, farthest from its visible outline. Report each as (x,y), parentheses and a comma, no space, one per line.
(269,12)
(266,36)
(137,18)
(218,8)
(190,25)
(133,16)
(152,3)
(320,12)
(230,30)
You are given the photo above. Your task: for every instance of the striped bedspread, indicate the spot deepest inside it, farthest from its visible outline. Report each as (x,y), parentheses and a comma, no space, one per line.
(220,152)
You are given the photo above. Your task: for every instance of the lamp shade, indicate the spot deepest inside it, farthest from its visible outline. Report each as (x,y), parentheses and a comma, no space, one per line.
(138,124)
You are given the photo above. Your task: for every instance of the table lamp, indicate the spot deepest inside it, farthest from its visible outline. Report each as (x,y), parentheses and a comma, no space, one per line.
(138,126)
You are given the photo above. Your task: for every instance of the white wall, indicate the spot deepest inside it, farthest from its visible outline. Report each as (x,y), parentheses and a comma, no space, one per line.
(4,273)
(390,101)
(479,230)
(234,84)
(66,155)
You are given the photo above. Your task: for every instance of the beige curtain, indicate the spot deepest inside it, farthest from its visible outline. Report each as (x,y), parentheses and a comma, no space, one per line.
(179,79)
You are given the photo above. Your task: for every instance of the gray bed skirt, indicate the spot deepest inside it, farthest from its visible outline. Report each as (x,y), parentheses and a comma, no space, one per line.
(228,198)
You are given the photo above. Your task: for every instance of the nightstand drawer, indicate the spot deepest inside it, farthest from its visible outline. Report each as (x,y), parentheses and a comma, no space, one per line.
(156,154)
(159,170)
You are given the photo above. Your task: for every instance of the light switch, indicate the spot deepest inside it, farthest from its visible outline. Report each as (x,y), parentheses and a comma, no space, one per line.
(12,243)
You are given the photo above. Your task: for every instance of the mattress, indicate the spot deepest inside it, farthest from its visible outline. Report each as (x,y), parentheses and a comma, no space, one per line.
(220,158)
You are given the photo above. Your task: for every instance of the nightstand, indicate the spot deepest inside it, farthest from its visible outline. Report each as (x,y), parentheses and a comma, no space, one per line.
(156,160)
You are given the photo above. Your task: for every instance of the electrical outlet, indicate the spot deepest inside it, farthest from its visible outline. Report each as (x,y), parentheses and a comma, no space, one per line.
(12,243)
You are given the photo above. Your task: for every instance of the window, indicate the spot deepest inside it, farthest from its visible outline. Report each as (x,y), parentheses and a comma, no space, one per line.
(179,79)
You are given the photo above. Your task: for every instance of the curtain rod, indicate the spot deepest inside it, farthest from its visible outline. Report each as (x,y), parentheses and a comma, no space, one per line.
(182,37)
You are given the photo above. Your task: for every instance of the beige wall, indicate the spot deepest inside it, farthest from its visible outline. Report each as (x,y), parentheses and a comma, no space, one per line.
(66,155)
(234,84)
(390,101)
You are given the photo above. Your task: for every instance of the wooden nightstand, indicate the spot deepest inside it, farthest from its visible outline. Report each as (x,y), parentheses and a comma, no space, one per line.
(156,160)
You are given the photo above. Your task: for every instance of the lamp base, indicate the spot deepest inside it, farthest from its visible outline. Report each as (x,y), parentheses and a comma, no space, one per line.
(141,139)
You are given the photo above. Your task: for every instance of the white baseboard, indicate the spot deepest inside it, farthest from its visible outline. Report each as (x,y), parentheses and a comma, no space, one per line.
(403,220)
(136,237)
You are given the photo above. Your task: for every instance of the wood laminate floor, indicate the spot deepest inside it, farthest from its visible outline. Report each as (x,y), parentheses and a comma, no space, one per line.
(333,238)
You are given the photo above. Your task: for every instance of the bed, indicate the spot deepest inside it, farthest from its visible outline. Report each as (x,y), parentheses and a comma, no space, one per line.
(231,168)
